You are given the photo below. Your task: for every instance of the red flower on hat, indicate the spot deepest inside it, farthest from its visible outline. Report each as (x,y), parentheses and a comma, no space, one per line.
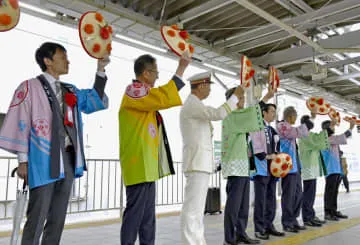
(251,73)
(89,28)
(14,3)
(248,62)
(181,46)
(96,48)
(109,28)
(108,48)
(104,33)
(99,17)
(70,99)
(171,33)
(320,101)
(175,27)
(5,19)
(184,35)
(191,48)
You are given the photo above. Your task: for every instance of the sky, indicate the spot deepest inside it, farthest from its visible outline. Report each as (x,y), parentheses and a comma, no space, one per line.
(17,63)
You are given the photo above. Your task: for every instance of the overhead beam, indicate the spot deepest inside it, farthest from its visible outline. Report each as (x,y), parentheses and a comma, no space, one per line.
(342,62)
(198,11)
(282,25)
(305,52)
(335,64)
(277,36)
(302,5)
(340,78)
(301,86)
(333,13)
(288,5)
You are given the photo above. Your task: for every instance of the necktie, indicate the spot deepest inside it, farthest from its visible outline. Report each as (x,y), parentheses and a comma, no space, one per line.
(59,95)
(269,140)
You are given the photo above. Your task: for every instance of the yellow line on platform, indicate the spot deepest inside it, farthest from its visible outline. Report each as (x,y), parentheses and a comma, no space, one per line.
(315,233)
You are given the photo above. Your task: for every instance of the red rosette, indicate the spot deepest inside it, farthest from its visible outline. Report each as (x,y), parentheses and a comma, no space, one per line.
(70,99)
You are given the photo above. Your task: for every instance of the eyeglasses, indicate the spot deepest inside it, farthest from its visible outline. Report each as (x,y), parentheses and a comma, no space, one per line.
(155,71)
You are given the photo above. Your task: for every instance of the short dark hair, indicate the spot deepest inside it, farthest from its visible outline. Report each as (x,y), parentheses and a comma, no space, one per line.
(266,107)
(304,119)
(326,124)
(142,62)
(47,50)
(229,92)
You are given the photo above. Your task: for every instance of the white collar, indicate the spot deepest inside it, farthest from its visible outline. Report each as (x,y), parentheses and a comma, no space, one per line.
(49,78)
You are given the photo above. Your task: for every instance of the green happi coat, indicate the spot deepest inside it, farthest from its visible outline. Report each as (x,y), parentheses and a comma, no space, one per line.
(309,153)
(235,157)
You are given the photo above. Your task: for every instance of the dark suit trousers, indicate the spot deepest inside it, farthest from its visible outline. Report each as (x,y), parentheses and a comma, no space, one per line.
(236,212)
(265,202)
(49,203)
(309,193)
(332,183)
(139,215)
(291,199)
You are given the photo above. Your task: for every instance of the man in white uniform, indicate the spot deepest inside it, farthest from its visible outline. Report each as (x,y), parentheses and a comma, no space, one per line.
(198,163)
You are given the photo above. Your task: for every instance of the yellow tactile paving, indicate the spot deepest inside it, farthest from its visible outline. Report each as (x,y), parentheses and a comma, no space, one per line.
(306,236)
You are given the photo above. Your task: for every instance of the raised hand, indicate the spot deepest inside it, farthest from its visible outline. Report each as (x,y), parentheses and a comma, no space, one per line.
(102,63)
(184,61)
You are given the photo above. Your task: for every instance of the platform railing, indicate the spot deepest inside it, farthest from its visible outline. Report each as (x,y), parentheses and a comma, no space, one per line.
(100,188)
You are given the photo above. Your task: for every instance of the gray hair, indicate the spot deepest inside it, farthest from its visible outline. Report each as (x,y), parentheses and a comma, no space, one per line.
(289,111)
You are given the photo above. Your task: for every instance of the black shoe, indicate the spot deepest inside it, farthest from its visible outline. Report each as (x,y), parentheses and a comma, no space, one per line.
(274,232)
(331,217)
(229,243)
(312,223)
(262,235)
(300,227)
(247,240)
(316,219)
(340,215)
(290,229)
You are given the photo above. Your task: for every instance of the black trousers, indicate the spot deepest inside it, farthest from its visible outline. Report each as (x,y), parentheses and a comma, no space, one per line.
(265,202)
(332,183)
(309,193)
(346,183)
(291,199)
(139,215)
(236,212)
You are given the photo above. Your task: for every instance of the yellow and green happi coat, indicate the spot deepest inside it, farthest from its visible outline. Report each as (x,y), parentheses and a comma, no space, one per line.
(143,155)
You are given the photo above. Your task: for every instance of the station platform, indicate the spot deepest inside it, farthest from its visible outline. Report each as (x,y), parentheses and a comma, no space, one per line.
(346,231)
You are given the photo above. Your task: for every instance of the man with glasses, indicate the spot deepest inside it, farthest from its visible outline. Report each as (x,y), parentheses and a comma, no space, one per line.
(144,150)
